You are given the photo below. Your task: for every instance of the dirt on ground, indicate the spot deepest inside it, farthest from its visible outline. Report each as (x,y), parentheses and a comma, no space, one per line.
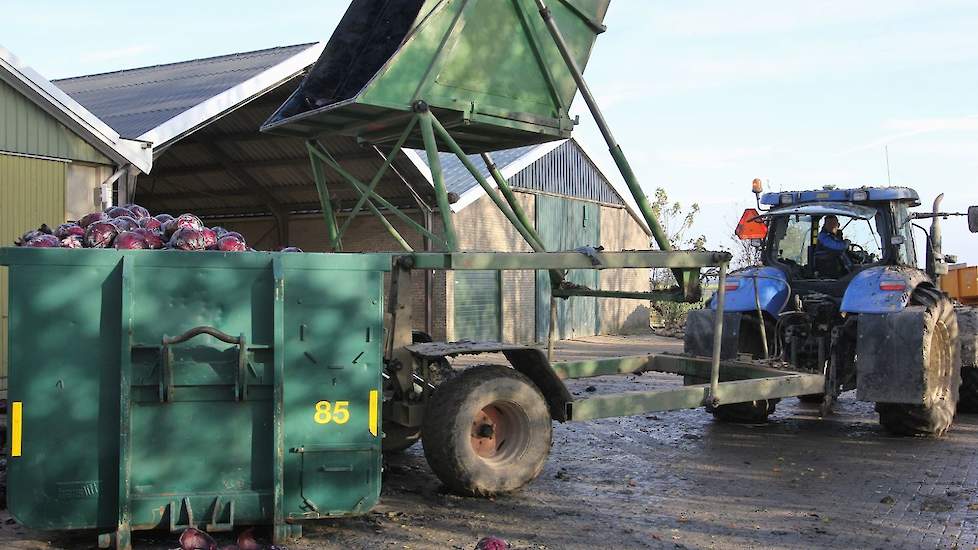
(674,480)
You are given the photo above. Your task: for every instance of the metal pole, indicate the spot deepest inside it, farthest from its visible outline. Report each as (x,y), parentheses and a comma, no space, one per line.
(551,336)
(464,159)
(683,278)
(556,277)
(434,163)
(320,178)
(537,244)
(388,160)
(760,317)
(717,336)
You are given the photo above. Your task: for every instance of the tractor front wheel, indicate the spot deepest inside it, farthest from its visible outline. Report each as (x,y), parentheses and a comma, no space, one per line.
(487,431)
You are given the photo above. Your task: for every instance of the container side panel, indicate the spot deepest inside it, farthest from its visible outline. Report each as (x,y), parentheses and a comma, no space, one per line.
(64,368)
(202,422)
(334,335)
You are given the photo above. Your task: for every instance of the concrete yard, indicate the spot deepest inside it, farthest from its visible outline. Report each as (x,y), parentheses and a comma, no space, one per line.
(676,480)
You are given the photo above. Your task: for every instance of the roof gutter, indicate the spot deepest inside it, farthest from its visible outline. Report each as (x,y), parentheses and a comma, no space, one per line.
(67,111)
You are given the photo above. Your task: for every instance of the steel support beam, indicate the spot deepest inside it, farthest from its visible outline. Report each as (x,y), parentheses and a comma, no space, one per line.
(568,260)
(691,397)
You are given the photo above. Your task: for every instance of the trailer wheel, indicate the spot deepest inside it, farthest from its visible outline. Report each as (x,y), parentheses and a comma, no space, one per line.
(487,431)
(942,365)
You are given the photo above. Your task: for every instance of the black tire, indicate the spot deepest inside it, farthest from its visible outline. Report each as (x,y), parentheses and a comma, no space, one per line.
(812,398)
(750,341)
(487,431)
(751,412)
(942,365)
(968,394)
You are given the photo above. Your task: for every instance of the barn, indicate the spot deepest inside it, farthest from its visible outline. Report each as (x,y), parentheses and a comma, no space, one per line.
(56,158)
(202,117)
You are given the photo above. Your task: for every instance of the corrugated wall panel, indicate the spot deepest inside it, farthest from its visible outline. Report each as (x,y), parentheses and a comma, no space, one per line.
(27,129)
(32,192)
(565,224)
(478,316)
(566,171)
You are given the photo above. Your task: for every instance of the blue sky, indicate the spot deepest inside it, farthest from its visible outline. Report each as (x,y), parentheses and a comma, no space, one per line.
(703,96)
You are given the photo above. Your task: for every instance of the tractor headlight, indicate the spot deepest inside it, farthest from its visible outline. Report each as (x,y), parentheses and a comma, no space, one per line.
(786,198)
(859,196)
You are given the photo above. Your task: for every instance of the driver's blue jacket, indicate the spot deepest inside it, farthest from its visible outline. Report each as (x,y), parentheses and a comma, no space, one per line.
(828,241)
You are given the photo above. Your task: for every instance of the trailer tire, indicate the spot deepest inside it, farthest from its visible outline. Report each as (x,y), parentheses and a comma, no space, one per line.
(487,431)
(942,363)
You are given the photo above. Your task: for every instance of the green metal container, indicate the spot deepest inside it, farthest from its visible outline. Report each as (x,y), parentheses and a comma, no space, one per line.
(488,69)
(123,417)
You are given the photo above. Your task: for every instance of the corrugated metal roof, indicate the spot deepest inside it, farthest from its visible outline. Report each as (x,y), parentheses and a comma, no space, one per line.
(564,170)
(457,177)
(135,101)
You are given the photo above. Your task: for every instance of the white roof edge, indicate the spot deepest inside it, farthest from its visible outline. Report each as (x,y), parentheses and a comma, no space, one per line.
(70,113)
(507,172)
(226,101)
(623,193)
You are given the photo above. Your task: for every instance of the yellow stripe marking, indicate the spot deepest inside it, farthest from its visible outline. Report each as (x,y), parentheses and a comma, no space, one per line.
(16,427)
(372,421)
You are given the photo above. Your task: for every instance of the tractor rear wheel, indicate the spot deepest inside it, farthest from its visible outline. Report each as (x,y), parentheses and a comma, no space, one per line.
(751,412)
(942,368)
(487,431)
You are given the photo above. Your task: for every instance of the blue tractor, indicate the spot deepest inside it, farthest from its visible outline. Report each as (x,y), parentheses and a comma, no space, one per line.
(838,292)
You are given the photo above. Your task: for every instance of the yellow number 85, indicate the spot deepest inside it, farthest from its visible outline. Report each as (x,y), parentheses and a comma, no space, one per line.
(327,412)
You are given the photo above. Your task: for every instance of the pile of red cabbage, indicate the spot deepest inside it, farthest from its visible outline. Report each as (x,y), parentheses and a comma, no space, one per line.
(132,227)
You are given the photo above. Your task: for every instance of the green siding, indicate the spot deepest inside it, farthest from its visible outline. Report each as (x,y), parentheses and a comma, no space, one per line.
(478,313)
(32,192)
(565,224)
(27,129)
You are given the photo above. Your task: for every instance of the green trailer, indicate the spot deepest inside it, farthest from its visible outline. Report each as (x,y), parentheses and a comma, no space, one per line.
(167,390)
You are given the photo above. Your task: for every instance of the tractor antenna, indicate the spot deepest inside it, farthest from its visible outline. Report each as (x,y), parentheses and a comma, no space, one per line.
(886,153)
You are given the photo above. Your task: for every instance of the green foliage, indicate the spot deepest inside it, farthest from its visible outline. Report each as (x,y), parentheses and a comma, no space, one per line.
(676,221)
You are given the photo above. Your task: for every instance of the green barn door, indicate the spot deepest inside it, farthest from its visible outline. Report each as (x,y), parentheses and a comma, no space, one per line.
(478,313)
(565,224)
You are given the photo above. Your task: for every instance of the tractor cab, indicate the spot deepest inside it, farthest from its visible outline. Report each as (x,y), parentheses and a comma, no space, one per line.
(832,234)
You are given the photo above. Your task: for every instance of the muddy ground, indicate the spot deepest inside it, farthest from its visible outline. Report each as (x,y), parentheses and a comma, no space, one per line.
(677,480)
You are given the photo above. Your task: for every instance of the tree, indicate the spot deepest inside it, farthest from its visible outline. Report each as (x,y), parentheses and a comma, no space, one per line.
(676,221)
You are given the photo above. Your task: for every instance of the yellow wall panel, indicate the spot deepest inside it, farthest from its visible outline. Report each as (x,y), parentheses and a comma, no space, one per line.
(32,192)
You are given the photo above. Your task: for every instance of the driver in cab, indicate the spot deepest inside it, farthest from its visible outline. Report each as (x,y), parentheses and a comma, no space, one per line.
(830,249)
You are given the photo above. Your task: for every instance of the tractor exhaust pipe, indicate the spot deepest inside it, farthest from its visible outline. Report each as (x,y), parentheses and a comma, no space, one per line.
(935,255)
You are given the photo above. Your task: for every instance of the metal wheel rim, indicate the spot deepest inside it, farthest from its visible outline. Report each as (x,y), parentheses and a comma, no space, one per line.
(940,356)
(500,432)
